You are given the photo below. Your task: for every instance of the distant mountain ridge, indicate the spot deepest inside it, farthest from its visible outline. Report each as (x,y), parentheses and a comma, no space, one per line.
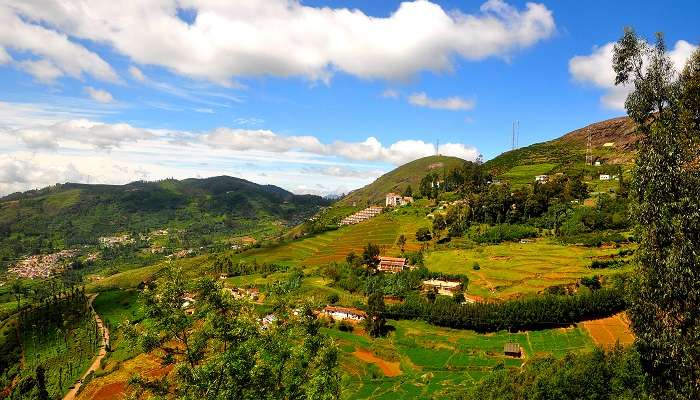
(70,214)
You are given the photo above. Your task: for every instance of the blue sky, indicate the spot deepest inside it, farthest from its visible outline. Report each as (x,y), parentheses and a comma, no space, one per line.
(318,96)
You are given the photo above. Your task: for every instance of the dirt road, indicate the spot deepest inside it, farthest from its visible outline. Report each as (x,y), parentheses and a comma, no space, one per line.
(96,363)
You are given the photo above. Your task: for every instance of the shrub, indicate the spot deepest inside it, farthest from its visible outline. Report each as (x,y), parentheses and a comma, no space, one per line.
(332,298)
(505,232)
(345,326)
(476,266)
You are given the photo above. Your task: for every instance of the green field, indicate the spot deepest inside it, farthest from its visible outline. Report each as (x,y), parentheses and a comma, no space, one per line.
(438,361)
(511,268)
(525,174)
(116,307)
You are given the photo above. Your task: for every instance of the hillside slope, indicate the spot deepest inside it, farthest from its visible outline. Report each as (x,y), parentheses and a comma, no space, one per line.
(398,179)
(570,149)
(72,214)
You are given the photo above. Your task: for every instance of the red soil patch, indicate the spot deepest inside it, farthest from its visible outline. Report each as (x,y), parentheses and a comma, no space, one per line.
(389,369)
(160,372)
(608,331)
(112,391)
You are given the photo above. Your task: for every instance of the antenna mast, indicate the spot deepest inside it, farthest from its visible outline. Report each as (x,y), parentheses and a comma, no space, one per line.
(514,136)
(589,150)
(437,148)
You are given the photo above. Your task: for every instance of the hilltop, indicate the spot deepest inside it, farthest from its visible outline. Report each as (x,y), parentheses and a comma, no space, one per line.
(397,180)
(70,214)
(569,150)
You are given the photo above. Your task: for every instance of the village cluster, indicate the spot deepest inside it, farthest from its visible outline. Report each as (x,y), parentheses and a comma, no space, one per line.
(42,266)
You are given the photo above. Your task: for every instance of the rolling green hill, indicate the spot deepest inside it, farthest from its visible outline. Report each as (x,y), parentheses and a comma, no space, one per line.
(72,214)
(613,143)
(398,179)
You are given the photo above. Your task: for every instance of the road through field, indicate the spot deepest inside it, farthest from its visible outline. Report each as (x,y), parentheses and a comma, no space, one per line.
(96,363)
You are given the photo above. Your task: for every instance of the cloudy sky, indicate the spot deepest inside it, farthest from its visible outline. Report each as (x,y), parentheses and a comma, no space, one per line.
(313,96)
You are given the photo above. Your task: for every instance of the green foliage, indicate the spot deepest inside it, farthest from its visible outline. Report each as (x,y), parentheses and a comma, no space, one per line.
(505,232)
(288,358)
(615,374)
(665,307)
(370,255)
(537,312)
(375,322)
(423,234)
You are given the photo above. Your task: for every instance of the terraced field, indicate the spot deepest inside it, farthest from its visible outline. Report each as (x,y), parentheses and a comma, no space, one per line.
(432,361)
(509,269)
(335,245)
(524,174)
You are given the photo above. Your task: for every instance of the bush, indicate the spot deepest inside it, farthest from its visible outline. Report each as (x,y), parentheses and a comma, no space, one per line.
(345,326)
(505,232)
(332,298)
(476,266)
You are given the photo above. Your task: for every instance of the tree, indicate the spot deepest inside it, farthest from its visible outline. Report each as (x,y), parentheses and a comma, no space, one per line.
(43,394)
(17,290)
(423,234)
(665,302)
(408,192)
(439,224)
(375,321)
(401,241)
(370,255)
(245,359)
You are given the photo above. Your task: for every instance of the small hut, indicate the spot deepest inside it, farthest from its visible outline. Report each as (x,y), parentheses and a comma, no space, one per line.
(512,350)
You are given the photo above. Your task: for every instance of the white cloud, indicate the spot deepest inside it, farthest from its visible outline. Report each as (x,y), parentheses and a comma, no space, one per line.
(137,74)
(235,38)
(204,110)
(101,96)
(597,69)
(43,70)
(370,149)
(4,56)
(391,94)
(453,103)
(251,121)
(80,132)
(58,55)
(66,151)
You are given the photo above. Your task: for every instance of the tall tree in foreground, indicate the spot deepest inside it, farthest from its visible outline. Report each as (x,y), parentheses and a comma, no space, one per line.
(235,354)
(665,303)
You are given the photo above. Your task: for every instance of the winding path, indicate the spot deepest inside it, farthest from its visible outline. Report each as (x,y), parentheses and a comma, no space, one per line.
(71,395)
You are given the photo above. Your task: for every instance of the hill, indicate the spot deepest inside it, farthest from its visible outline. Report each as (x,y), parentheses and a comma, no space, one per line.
(569,151)
(73,214)
(400,178)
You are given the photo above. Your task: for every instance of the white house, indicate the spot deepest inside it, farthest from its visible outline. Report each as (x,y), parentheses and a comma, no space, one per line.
(443,287)
(541,178)
(604,177)
(396,200)
(344,313)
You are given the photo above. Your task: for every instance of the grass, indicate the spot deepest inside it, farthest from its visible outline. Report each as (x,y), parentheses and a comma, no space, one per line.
(525,174)
(509,269)
(437,361)
(115,307)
